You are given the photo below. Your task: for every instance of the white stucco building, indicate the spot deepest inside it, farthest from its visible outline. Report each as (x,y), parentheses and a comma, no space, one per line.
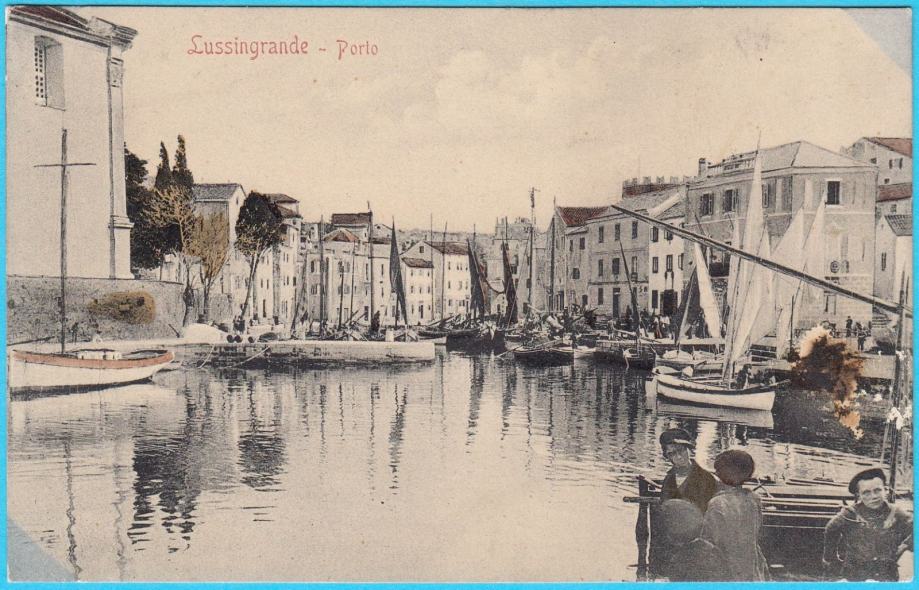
(65,72)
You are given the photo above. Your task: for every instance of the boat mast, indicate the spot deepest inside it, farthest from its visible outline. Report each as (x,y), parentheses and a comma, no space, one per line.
(65,178)
(341,290)
(552,263)
(532,227)
(632,297)
(370,257)
(351,303)
(895,394)
(433,278)
(321,276)
(443,271)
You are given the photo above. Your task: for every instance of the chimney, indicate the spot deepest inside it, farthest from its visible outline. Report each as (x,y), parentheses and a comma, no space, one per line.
(646,180)
(703,166)
(660,180)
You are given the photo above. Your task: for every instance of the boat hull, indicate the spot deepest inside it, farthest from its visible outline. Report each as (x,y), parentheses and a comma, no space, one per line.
(549,356)
(42,371)
(752,398)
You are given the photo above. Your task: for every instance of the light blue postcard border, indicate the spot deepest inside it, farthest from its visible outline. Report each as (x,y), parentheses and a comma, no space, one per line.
(438,3)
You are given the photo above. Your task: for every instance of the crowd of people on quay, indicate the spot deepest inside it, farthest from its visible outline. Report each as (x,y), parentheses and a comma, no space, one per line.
(708,527)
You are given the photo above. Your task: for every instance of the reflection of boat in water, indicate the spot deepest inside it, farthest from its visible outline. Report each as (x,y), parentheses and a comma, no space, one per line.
(83,369)
(746,417)
(584,352)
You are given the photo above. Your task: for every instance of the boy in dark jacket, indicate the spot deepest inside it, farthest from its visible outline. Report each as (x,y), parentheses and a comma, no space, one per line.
(865,541)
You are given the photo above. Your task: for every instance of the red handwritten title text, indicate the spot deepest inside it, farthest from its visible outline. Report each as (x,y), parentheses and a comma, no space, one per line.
(254,49)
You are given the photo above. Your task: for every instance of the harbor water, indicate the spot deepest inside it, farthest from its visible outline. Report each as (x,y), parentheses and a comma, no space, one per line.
(472,468)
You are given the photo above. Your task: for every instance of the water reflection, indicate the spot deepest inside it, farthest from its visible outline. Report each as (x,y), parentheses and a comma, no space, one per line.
(437,467)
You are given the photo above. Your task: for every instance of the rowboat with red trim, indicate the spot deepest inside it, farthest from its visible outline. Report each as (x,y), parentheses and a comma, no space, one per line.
(83,369)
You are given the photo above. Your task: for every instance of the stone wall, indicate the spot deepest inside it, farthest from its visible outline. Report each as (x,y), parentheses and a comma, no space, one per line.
(33,309)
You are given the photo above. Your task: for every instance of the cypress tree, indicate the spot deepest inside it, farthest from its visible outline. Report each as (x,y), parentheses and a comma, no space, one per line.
(163,171)
(181,175)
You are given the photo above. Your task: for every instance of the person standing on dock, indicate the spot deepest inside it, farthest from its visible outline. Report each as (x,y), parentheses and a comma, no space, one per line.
(865,541)
(735,518)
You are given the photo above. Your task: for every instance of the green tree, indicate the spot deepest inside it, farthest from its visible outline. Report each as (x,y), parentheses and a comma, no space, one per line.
(259,228)
(181,175)
(163,171)
(145,241)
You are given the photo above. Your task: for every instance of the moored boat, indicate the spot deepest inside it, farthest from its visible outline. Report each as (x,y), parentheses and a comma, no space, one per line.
(713,393)
(83,369)
(553,353)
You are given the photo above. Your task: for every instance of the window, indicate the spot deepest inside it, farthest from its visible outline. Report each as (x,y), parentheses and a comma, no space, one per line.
(680,261)
(830,303)
(890,164)
(707,204)
(600,296)
(655,234)
(832,192)
(654,299)
(571,245)
(600,235)
(786,193)
(600,268)
(615,266)
(634,229)
(49,73)
(575,273)
(616,232)
(669,262)
(634,266)
(581,244)
(729,200)
(421,249)
(768,194)
(900,163)
(654,265)
(313,266)
(668,235)
(883,260)
(448,265)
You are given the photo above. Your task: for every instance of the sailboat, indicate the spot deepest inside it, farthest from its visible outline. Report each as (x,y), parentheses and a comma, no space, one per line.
(750,295)
(83,368)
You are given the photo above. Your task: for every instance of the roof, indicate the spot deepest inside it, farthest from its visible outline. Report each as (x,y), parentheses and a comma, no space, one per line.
(675,210)
(577,216)
(340,235)
(901,145)
(280,198)
(902,225)
(351,218)
(417,262)
(800,154)
(451,248)
(287,212)
(895,192)
(95,30)
(215,192)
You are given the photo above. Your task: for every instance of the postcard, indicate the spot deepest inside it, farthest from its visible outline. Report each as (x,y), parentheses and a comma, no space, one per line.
(302,294)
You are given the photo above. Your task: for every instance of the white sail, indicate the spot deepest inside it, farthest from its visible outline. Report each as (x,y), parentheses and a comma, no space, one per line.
(751,287)
(706,295)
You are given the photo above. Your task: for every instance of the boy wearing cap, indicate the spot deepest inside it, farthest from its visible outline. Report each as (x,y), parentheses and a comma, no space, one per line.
(686,480)
(734,520)
(865,541)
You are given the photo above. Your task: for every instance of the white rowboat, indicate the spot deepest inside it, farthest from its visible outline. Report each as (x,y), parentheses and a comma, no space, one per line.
(83,369)
(759,397)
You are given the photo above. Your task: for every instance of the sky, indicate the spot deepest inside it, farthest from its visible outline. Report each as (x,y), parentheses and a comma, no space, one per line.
(462,111)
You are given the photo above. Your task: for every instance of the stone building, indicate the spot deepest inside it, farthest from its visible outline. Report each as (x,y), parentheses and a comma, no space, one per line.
(796,177)
(566,257)
(893,255)
(517,234)
(617,243)
(893,157)
(418,276)
(65,72)
(450,274)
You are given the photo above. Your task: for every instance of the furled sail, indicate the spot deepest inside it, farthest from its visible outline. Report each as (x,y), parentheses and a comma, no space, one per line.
(475,276)
(510,291)
(395,276)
